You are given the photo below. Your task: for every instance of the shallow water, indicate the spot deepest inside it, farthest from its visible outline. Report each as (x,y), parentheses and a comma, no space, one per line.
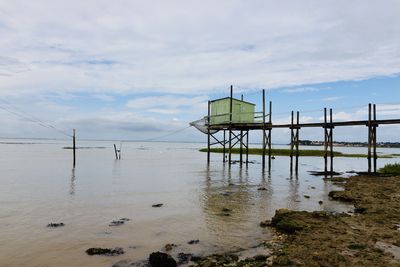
(38,186)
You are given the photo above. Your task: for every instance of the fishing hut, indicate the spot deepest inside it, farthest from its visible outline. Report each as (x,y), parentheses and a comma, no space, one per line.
(235,118)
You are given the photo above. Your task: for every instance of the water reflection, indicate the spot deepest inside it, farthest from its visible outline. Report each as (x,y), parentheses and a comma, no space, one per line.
(72,184)
(233,207)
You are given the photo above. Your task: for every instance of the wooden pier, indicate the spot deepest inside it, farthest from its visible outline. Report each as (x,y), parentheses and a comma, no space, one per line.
(238,134)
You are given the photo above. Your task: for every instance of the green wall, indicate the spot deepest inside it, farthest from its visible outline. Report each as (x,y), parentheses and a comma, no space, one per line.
(242,112)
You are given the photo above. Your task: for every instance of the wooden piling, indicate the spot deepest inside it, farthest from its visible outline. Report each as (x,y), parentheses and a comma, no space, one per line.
(264,134)
(224,147)
(230,125)
(208,132)
(325,141)
(116,152)
(291,141)
(247,148)
(297,142)
(331,138)
(374,139)
(270,136)
(73,148)
(369,137)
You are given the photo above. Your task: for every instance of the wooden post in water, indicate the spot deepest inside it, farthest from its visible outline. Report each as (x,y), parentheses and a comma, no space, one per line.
(230,126)
(291,142)
(116,152)
(73,148)
(331,138)
(269,136)
(297,142)
(325,141)
(247,148)
(224,147)
(241,142)
(208,132)
(263,129)
(374,139)
(369,137)
(328,140)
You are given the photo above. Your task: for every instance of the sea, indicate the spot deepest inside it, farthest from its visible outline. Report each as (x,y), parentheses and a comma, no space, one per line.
(39,185)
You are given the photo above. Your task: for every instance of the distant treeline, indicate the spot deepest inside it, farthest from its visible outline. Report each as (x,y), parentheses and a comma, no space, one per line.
(349,144)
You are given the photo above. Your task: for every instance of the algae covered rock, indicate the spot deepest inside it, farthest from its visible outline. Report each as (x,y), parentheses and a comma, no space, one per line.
(283,221)
(160,259)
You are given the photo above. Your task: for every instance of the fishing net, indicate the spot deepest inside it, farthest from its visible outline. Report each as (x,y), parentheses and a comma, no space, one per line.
(201,125)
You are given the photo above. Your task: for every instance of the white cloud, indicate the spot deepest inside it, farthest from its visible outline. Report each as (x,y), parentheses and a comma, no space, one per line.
(332,98)
(301,90)
(192,46)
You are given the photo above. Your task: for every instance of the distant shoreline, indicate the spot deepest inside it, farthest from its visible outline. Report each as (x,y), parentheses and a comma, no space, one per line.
(287,152)
(350,144)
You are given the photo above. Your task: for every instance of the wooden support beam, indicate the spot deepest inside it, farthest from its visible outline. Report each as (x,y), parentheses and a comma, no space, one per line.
(297,142)
(224,147)
(263,129)
(208,132)
(230,127)
(116,152)
(325,141)
(269,137)
(331,138)
(247,148)
(374,139)
(291,142)
(369,136)
(73,148)
(241,148)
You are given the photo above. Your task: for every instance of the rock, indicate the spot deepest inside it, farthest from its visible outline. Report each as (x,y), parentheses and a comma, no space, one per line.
(157,205)
(183,258)
(284,223)
(116,223)
(119,222)
(196,258)
(357,246)
(265,223)
(389,248)
(160,259)
(55,225)
(360,210)
(105,251)
(320,202)
(169,247)
(192,242)
(340,195)
(226,210)
(262,189)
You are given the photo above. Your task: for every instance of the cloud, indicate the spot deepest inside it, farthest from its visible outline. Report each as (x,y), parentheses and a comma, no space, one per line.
(302,90)
(332,98)
(169,104)
(193,47)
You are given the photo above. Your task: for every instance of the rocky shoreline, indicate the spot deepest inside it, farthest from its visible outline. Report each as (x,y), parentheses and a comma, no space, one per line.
(368,236)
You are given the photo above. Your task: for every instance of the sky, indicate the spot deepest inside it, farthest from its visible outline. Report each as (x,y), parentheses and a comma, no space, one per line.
(138,70)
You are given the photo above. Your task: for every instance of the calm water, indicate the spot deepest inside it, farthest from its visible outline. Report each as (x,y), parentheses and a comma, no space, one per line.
(38,186)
